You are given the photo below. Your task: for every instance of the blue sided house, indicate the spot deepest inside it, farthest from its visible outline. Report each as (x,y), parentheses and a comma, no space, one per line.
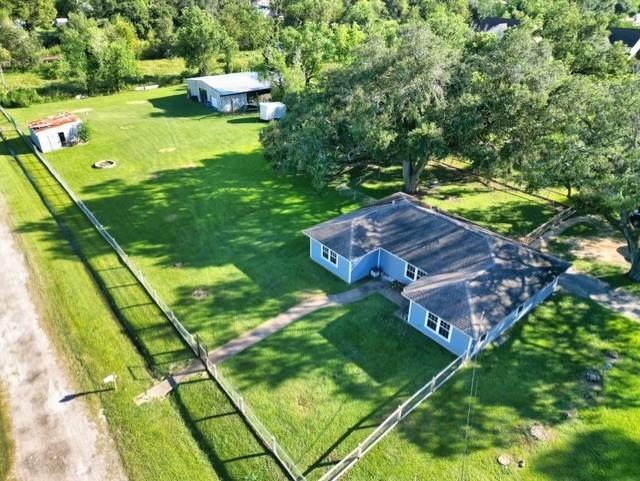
(465,284)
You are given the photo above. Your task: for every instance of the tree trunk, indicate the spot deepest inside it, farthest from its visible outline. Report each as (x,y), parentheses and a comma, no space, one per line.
(634,273)
(411,175)
(631,236)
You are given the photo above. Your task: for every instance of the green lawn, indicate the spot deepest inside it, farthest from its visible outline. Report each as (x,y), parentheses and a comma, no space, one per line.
(500,209)
(161,440)
(322,384)
(536,376)
(611,273)
(194,203)
(6,439)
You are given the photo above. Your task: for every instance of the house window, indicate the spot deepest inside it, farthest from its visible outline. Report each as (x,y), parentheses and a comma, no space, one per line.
(410,271)
(330,255)
(445,329)
(432,322)
(413,273)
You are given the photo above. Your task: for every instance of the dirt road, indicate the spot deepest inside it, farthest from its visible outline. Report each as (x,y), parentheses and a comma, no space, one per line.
(55,441)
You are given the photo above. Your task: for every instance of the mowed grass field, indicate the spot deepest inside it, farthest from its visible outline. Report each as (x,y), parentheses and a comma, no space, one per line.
(196,206)
(211,215)
(324,383)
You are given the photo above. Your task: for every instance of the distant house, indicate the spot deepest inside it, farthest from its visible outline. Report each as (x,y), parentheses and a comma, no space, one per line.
(263,6)
(630,37)
(465,284)
(230,92)
(55,132)
(61,22)
(497,25)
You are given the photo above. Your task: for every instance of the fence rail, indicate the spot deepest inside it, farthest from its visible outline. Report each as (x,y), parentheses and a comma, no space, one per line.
(547,226)
(386,426)
(201,351)
(198,347)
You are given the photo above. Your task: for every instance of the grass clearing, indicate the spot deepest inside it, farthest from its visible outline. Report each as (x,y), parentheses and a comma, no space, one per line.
(324,383)
(209,215)
(155,441)
(7,448)
(501,209)
(536,376)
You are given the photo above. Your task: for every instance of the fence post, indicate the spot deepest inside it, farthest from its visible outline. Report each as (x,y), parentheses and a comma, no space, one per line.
(241,404)
(399,411)
(274,444)
(198,346)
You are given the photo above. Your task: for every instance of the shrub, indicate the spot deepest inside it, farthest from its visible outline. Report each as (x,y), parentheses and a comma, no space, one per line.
(20,97)
(84,132)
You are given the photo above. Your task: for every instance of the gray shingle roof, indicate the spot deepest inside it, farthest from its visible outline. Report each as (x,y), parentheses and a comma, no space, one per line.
(474,277)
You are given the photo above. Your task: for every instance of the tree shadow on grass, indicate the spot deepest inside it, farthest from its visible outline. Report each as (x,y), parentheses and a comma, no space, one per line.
(366,361)
(535,376)
(233,225)
(180,106)
(222,434)
(593,455)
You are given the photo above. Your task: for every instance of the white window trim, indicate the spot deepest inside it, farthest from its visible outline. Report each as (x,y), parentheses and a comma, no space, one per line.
(438,323)
(330,253)
(448,337)
(417,272)
(406,271)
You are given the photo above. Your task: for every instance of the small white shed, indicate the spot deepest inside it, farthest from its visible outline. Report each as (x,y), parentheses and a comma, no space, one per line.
(272,110)
(229,92)
(55,132)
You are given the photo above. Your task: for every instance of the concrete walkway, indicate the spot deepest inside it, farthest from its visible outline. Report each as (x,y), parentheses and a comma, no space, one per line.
(589,287)
(266,329)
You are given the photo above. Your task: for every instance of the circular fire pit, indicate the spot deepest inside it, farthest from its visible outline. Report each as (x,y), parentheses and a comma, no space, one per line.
(105,164)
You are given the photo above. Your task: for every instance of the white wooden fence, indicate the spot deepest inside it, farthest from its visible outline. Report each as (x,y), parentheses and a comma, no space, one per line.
(192,341)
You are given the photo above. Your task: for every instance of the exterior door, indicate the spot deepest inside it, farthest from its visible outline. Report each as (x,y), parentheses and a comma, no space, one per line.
(203,96)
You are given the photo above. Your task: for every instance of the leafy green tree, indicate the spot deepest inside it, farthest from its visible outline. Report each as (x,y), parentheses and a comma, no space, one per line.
(103,58)
(387,106)
(285,78)
(500,91)
(23,47)
(76,45)
(135,11)
(199,39)
(118,64)
(309,47)
(588,142)
(35,13)
(345,39)
(245,24)
(365,12)
(299,12)
(161,36)
(453,27)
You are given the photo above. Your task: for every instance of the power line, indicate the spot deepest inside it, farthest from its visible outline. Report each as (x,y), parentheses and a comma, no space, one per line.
(473,391)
